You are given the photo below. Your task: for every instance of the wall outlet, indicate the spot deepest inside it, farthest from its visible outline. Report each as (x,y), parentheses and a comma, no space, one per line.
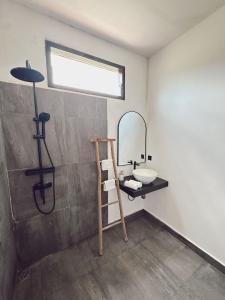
(149,157)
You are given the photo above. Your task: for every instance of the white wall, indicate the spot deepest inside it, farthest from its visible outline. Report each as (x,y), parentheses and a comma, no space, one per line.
(186,116)
(23,33)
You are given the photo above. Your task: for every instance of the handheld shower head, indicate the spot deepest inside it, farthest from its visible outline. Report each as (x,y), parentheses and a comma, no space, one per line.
(44,117)
(27,74)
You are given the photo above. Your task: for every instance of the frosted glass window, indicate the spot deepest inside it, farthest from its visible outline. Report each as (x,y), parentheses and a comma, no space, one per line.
(74,70)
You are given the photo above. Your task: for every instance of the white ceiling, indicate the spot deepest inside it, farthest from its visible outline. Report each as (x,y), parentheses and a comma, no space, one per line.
(144,26)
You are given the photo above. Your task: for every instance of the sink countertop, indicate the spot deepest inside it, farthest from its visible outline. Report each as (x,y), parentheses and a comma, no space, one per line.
(155,185)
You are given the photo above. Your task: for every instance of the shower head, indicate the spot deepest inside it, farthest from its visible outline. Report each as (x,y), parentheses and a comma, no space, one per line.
(44,117)
(27,74)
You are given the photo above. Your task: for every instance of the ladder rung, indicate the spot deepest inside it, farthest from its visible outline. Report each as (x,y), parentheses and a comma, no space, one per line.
(112,178)
(111,225)
(110,203)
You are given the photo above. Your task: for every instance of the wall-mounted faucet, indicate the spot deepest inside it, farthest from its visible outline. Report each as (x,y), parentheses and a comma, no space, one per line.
(131,162)
(136,164)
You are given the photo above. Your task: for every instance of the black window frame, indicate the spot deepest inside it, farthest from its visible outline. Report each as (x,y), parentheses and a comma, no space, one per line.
(49,44)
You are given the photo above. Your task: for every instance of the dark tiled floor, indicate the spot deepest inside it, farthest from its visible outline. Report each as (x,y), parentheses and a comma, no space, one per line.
(152,265)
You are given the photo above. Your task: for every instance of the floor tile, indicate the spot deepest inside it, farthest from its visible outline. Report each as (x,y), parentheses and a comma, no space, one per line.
(151,265)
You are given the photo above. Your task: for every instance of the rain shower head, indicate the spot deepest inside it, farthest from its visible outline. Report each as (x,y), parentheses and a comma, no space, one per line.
(27,74)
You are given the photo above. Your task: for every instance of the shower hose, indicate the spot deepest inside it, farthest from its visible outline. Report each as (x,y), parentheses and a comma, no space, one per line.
(53,186)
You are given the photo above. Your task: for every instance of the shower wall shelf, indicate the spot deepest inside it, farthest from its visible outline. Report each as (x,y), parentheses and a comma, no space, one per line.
(155,185)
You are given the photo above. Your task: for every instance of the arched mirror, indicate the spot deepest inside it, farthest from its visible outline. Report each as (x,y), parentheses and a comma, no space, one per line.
(131,139)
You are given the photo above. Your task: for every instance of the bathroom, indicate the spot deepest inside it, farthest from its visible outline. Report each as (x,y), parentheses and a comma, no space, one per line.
(163,117)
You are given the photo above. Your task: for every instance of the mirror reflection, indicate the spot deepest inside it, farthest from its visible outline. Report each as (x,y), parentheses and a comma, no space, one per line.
(131,139)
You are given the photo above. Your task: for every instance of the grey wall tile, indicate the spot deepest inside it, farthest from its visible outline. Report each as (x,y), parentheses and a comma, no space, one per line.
(89,117)
(88,129)
(78,105)
(79,132)
(22,194)
(101,111)
(75,119)
(7,243)
(72,150)
(89,201)
(56,141)
(4,203)
(74,187)
(20,128)
(21,150)
(15,98)
(88,181)
(83,200)
(75,225)
(50,101)
(8,263)
(88,221)
(85,133)
(101,131)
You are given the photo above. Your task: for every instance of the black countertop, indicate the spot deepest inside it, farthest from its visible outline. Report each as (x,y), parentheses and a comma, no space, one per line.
(155,185)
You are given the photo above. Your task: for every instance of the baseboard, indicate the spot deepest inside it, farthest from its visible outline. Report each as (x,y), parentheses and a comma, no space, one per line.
(135,215)
(195,248)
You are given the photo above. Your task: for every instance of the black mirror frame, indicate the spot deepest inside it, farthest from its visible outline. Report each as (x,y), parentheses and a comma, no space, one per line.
(118,135)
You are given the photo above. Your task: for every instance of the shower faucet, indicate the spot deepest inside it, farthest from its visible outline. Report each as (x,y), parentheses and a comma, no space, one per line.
(30,75)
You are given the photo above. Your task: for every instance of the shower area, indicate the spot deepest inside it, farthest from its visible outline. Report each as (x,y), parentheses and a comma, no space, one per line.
(48,173)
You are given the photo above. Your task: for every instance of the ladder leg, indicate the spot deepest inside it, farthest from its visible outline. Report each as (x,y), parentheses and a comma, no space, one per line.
(100,230)
(118,192)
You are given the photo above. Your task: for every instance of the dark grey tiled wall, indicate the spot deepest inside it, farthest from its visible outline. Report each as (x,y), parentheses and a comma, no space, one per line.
(7,244)
(74,120)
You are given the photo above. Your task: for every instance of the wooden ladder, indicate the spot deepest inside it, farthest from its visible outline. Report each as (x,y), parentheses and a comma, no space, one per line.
(100,185)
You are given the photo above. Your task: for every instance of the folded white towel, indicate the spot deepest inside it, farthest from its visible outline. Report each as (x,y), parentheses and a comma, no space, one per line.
(109,185)
(134,185)
(137,183)
(106,164)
